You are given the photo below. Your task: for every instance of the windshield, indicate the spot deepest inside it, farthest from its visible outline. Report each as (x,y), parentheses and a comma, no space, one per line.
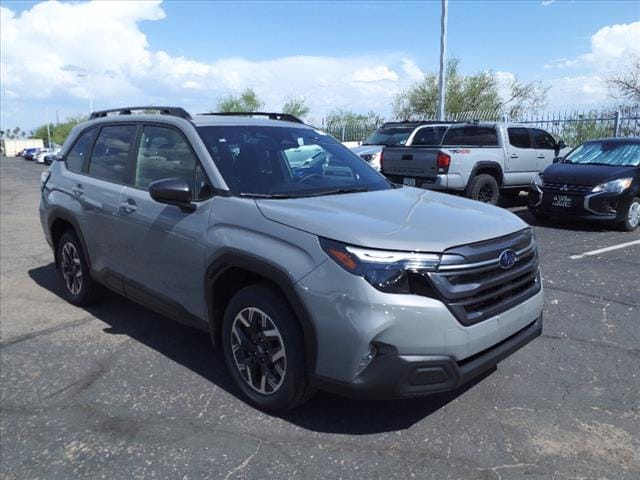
(280,162)
(606,153)
(389,136)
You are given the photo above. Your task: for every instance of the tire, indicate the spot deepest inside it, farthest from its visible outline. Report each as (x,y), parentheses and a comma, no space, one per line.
(484,188)
(78,286)
(274,385)
(632,216)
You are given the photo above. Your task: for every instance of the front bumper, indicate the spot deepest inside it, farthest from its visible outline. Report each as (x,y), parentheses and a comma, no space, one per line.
(600,206)
(390,375)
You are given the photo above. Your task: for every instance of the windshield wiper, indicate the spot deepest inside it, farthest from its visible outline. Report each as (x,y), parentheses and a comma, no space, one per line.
(338,191)
(267,195)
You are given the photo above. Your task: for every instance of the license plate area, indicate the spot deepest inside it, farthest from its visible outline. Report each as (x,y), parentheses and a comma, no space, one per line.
(409,182)
(562,201)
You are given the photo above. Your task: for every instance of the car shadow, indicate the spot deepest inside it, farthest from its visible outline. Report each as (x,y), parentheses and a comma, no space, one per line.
(192,349)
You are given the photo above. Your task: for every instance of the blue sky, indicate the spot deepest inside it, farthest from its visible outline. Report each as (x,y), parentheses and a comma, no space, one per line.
(356,55)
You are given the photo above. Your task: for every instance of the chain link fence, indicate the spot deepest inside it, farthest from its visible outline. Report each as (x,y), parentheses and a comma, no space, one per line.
(351,131)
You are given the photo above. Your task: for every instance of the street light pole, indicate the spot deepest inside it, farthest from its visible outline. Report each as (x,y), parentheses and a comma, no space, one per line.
(88,76)
(443,47)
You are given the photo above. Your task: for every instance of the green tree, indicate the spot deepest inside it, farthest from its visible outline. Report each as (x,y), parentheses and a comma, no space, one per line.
(625,85)
(468,93)
(59,132)
(247,101)
(296,106)
(346,125)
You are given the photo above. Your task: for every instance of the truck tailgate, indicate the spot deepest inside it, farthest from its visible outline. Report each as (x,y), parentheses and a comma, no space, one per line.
(410,162)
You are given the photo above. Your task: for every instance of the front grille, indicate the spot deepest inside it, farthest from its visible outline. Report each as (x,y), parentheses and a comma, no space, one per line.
(480,288)
(567,188)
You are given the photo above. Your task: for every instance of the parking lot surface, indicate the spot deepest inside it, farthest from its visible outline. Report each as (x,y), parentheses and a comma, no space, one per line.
(116,391)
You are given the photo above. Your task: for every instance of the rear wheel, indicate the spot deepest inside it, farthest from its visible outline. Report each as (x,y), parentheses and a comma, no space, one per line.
(632,218)
(79,288)
(484,188)
(264,349)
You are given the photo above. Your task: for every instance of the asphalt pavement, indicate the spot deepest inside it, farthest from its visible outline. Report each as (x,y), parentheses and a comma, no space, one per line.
(117,391)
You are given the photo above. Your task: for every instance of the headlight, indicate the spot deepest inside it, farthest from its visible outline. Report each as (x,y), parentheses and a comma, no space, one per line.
(537,180)
(388,271)
(614,186)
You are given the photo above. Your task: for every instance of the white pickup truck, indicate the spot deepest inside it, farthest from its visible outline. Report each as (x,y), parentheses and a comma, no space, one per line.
(392,134)
(480,159)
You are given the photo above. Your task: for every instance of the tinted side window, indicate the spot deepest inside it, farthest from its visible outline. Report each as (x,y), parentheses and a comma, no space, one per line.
(454,136)
(481,136)
(165,153)
(542,139)
(519,137)
(80,150)
(426,136)
(110,157)
(471,136)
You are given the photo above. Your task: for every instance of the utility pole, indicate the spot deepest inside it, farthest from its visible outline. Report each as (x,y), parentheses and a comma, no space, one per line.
(443,48)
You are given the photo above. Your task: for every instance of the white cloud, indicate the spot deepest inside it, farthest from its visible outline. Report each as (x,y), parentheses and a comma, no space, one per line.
(375,74)
(546,3)
(46,47)
(610,48)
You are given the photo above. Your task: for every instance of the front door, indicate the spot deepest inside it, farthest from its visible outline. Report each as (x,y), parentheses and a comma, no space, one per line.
(545,146)
(166,250)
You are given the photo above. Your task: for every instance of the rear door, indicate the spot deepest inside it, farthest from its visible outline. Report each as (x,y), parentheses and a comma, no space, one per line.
(166,251)
(545,146)
(521,156)
(107,173)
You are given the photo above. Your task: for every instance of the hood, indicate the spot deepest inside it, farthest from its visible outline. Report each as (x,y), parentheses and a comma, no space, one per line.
(367,149)
(577,174)
(409,219)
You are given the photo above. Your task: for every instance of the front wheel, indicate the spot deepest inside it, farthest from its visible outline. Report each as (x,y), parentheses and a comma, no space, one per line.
(484,188)
(264,349)
(632,217)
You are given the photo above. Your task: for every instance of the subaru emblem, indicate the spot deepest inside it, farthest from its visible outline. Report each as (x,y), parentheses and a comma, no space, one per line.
(564,188)
(508,259)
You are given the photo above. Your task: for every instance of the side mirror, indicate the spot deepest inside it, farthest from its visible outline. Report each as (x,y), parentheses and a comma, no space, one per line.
(172,191)
(558,159)
(561,144)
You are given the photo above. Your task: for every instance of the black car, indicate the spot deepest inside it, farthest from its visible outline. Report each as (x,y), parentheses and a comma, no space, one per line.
(599,180)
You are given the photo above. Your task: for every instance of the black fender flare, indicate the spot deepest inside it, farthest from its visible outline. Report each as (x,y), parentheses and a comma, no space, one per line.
(57,213)
(489,165)
(228,258)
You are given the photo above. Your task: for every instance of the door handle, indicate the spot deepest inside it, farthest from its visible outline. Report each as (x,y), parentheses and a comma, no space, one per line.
(513,155)
(129,206)
(540,156)
(78,190)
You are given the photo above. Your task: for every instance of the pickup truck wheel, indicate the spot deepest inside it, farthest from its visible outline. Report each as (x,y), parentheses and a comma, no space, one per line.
(484,188)
(264,349)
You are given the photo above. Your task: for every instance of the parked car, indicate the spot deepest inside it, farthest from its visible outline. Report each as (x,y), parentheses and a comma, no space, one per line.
(599,180)
(39,156)
(30,153)
(48,159)
(480,160)
(336,279)
(399,133)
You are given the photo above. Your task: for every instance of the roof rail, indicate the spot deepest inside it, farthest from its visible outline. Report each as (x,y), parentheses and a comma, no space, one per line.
(417,123)
(172,111)
(286,117)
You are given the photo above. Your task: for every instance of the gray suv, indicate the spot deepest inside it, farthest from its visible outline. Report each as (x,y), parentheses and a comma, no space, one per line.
(315,273)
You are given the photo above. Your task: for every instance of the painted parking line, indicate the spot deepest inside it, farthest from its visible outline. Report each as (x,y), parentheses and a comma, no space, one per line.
(604,250)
